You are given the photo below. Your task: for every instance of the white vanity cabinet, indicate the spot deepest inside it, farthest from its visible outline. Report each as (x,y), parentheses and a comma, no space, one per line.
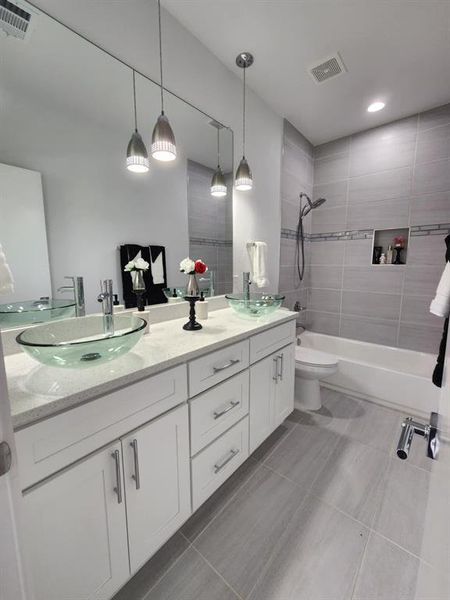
(108,482)
(157,483)
(271,393)
(76,534)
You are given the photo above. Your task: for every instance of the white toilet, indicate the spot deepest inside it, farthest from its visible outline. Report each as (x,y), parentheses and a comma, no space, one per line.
(310,366)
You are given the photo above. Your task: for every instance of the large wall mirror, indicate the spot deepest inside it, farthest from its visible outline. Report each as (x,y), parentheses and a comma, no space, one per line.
(67,201)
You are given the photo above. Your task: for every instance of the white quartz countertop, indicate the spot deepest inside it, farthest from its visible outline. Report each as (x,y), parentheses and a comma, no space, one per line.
(37,392)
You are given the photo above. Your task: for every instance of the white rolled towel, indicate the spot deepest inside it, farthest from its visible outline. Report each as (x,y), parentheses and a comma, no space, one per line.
(257,252)
(6,278)
(440,306)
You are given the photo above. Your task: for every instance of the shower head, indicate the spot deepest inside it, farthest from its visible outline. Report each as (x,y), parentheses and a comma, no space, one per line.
(310,204)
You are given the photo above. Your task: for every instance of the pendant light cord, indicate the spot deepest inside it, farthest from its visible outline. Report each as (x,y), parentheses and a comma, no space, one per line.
(134,100)
(243,116)
(218,149)
(160,57)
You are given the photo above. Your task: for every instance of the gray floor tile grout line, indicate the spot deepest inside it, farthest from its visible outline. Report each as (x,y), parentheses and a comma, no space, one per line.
(273,553)
(361,562)
(260,464)
(218,573)
(237,490)
(169,569)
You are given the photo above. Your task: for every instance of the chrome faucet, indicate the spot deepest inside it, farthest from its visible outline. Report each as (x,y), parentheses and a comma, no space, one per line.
(246,285)
(77,288)
(106,298)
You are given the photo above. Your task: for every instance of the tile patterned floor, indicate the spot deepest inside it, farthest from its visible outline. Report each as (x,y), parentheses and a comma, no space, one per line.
(323,510)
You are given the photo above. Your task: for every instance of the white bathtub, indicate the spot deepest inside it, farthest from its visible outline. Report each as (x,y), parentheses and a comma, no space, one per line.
(394,377)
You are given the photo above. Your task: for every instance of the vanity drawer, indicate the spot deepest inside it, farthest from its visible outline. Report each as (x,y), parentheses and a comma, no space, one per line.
(51,445)
(263,344)
(218,461)
(216,410)
(210,370)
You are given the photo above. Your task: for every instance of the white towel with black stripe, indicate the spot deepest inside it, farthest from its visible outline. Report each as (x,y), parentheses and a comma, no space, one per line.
(440,306)
(6,278)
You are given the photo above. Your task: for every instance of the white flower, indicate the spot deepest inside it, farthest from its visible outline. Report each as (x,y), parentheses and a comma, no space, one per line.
(187,265)
(141,264)
(129,266)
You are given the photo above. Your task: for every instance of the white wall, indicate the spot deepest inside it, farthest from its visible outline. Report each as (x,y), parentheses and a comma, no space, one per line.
(22,233)
(197,75)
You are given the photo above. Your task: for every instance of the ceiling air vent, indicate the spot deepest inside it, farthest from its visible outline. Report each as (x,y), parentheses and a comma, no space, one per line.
(14,20)
(331,67)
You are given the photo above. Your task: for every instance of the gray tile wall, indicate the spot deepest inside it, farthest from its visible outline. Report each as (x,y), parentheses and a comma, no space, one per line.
(397,175)
(211,225)
(296,176)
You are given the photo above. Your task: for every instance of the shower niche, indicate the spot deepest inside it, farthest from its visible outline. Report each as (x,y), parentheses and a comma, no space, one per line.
(390,246)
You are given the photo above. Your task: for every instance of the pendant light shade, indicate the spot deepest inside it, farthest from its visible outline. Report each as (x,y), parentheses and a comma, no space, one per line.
(163,140)
(137,157)
(218,185)
(244,179)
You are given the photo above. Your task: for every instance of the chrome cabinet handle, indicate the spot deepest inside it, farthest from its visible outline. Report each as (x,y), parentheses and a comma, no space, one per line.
(219,466)
(232,405)
(281,369)
(136,475)
(231,363)
(118,488)
(275,376)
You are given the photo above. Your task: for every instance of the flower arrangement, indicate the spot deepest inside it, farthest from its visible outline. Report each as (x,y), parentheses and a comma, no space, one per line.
(191,267)
(139,264)
(399,241)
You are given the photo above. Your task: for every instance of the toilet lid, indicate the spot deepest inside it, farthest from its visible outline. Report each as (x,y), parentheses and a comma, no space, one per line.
(315,358)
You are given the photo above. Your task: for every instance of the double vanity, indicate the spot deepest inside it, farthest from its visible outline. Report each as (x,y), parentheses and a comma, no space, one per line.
(114,459)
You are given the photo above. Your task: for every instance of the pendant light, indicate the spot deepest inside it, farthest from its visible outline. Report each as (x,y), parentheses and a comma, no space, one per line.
(163,139)
(244,179)
(218,185)
(137,157)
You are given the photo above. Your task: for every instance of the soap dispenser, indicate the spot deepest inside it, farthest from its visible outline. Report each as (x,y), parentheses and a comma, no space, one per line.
(202,308)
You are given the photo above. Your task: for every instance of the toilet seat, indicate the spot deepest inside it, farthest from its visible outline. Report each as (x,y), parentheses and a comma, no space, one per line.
(314,358)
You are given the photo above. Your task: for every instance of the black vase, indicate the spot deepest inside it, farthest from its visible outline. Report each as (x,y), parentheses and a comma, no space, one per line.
(397,260)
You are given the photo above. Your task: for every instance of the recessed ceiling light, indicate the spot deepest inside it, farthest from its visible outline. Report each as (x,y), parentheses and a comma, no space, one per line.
(376,106)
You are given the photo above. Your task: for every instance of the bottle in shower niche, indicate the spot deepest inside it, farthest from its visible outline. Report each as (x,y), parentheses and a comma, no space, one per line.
(389,256)
(383,259)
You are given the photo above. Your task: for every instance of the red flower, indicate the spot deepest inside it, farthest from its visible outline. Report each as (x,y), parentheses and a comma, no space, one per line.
(200,266)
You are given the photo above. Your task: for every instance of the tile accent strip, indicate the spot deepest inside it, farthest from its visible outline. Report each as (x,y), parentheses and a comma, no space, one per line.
(210,242)
(364,234)
(438,229)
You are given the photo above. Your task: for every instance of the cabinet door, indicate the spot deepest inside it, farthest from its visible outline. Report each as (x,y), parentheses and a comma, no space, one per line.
(157,483)
(284,397)
(76,531)
(263,382)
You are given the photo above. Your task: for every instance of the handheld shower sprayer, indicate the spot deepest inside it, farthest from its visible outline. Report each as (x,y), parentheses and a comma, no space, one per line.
(300,247)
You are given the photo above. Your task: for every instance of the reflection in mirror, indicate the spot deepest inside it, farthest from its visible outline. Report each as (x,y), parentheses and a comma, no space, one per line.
(68,202)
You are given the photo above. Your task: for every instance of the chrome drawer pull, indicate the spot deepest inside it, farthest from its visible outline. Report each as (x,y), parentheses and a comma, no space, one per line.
(231,363)
(275,376)
(232,405)
(136,476)
(219,466)
(280,373)
(118,488)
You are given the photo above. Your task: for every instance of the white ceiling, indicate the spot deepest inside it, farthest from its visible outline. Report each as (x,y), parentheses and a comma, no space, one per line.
(394,50)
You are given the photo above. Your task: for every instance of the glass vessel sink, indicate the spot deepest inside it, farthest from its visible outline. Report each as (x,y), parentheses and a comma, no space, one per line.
(81,342)
(257,306)
(16,314)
